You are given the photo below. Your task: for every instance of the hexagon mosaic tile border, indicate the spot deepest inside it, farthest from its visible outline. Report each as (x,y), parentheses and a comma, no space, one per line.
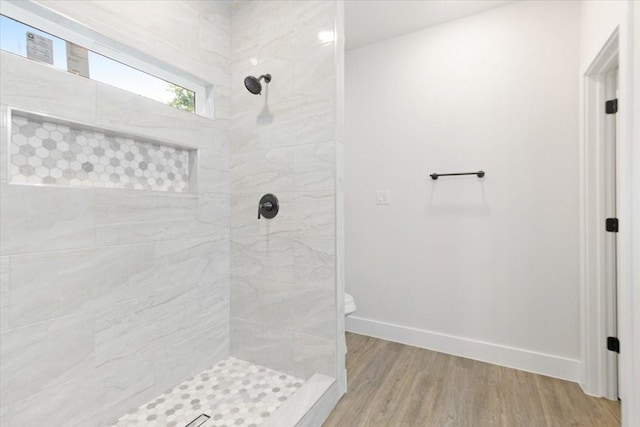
(49,152)
(232,393)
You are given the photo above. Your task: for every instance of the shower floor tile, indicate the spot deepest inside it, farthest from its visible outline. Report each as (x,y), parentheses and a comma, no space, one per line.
(233,393)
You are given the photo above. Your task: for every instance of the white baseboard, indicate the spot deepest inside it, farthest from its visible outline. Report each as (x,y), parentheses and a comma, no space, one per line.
(524,360)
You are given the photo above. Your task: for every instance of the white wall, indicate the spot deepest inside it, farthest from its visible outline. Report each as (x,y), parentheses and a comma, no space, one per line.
(486,268)
(598,20)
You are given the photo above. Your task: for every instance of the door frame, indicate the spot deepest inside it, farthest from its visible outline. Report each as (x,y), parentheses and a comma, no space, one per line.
(599,373)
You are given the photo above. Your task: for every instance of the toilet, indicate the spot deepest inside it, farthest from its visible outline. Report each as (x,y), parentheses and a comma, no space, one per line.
(349,304)
(349,308)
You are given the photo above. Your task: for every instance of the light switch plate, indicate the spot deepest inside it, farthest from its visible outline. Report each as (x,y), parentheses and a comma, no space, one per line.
(383,197)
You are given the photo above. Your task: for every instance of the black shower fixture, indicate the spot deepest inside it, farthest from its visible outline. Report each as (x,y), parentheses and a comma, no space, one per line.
(253,84)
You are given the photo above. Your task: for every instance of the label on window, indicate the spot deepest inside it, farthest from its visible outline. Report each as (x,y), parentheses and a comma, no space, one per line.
(77,60)
(39,48)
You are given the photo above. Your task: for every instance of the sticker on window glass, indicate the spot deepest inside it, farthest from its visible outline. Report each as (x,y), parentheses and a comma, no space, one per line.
(39,48)
(77,60)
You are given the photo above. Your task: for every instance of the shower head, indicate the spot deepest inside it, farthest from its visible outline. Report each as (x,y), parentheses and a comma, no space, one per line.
(253,84)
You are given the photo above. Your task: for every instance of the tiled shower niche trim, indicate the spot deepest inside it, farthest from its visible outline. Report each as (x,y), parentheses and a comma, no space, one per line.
(49,151)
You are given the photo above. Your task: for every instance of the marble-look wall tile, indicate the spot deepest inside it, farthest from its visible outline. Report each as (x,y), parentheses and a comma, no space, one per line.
(115,296)
(315,215)
(281,48)
(276,20)
(315,313)
(340,189)
(191,261)
(125,328)
(244,60)
(244,132)
(4,293)
(261,344)
(340,256)
(312,18)
(118,385)
(298,121)
(288,351)
(49,285)
(222,102)
(173,365)
(306,105)
(64,404)
(283,270)
(169,313)
(4,415)
(314,167)
(263,257)
(122,206)
(276,304)
(214,301)
(45,218)
(91,398)
(215,210)
(244,16)
(244,299)
(300,168)
(266,301)
(312,129)
(36,88)
(219,63)
(133,217)
(43,355)
(262,171)
(213,175)
(152,231)
(313,354)
(4,142)
(315,263)
(157,322)
(314,71)
(213,35)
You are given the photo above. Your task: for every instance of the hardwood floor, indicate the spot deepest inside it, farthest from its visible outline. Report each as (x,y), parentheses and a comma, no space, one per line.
(392,384)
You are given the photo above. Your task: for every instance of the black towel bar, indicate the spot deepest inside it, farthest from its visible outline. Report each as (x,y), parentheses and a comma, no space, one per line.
(435,176)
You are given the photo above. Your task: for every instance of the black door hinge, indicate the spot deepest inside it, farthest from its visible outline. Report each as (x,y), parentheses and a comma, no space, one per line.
(613,344)
(611,106)
(612,225)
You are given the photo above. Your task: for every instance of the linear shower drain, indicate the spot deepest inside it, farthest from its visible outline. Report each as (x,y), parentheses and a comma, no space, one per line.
(198,421)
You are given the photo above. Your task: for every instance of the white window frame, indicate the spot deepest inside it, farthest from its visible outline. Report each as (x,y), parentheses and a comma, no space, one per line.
(63,27)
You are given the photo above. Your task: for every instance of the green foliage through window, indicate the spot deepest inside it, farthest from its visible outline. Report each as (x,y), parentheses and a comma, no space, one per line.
(183,99)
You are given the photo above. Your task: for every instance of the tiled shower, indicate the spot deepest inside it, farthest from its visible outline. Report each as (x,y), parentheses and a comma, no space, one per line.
(138,286)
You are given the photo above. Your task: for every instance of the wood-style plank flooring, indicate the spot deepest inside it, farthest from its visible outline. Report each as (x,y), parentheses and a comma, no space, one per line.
(392,384)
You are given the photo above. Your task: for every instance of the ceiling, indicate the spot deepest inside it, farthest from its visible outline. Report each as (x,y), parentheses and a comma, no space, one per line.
(370,21)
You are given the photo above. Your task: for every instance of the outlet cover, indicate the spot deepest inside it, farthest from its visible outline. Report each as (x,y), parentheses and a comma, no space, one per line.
(383,197)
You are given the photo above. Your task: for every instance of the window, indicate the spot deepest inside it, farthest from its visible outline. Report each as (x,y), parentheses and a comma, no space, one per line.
(155,82)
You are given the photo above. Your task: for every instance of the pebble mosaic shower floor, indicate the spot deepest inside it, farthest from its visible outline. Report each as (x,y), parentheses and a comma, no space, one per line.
(233,393)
